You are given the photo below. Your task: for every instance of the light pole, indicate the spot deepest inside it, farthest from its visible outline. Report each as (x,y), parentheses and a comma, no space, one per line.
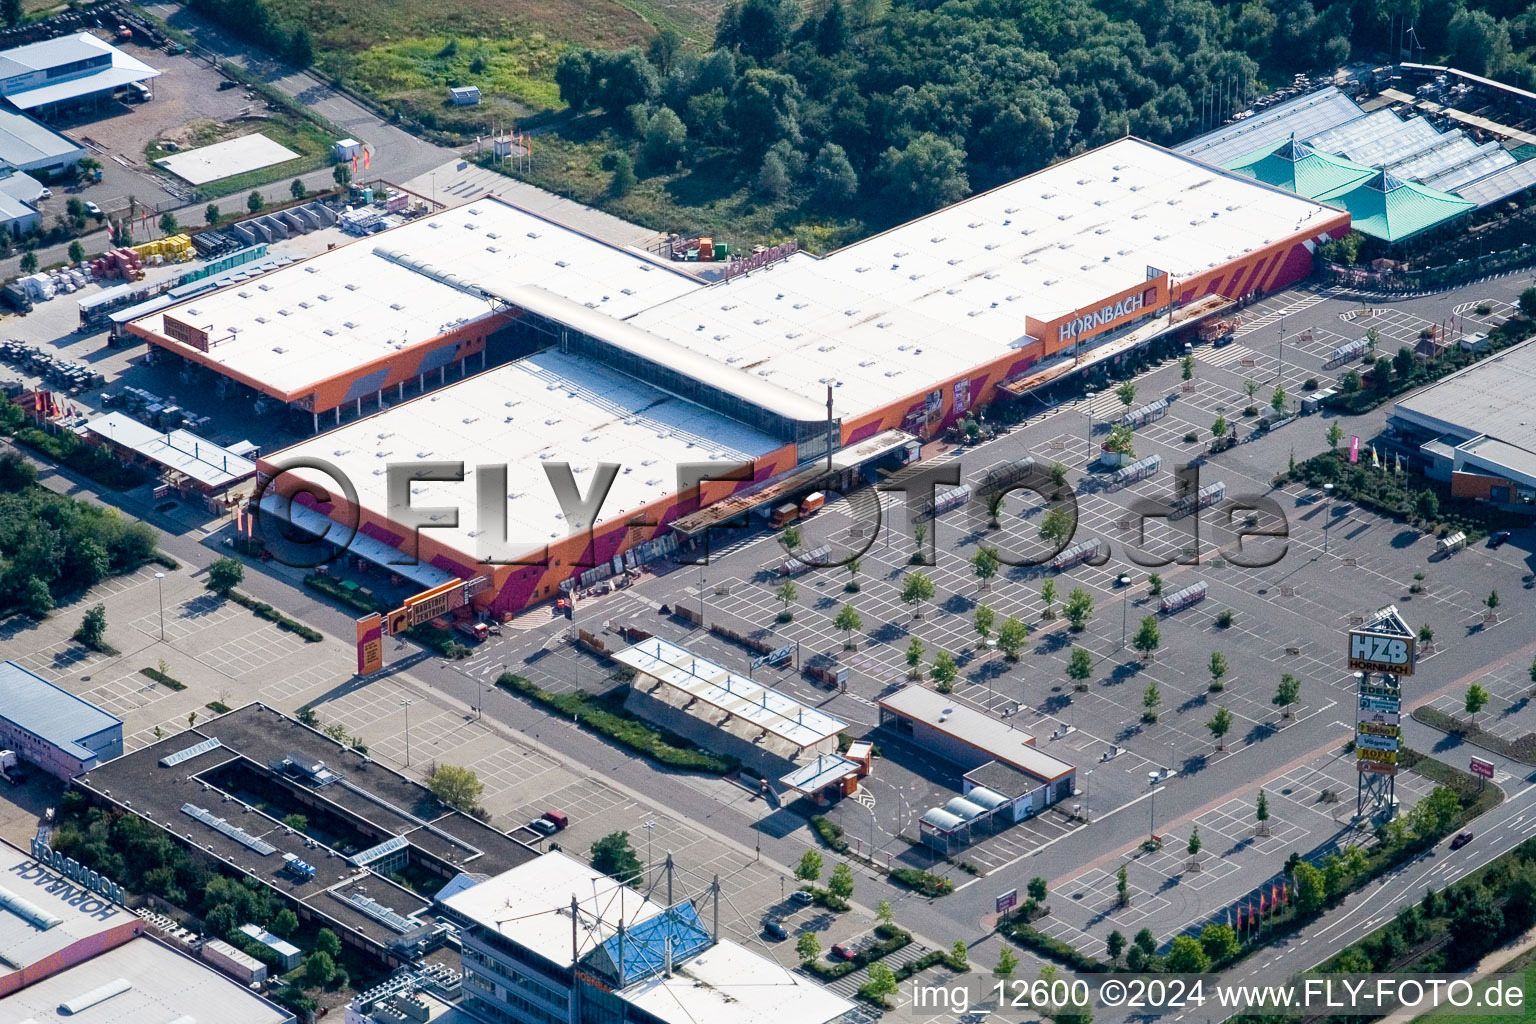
(1087,795)
(650,828)
(406,704)
(1156,777)
(1088,398)
(1125,603)
(1327,513)
(160,592)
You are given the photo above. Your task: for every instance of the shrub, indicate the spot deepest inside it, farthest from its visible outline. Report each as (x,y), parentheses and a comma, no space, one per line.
(830,833)
(925,882)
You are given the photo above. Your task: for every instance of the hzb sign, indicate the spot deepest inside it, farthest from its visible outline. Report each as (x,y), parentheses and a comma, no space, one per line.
(1375,652)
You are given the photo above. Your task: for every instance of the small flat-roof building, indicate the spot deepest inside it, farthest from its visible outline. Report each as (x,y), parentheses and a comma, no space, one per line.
(554,941)
(723,711)
(1030,778)
(140,982)
(29,145)
(52,728)
(185,461)
(1476,429)
(49,922)
(67,71)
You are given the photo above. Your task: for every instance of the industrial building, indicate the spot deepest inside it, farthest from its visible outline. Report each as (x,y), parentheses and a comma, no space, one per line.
(52,728)
(28,145)
(140,981)
(50,921)
(1007,778)
(69,71)
(889,340)
(725,712)
(376,823)
(1475,429)
(184,461)
(555,942)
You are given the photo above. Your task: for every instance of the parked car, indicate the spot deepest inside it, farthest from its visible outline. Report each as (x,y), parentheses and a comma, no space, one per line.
(1499,539)
(46,193)
(92,209)
(557,819)
(802,897)
(842,951)
(1462,839)
(543,826)
(775,930)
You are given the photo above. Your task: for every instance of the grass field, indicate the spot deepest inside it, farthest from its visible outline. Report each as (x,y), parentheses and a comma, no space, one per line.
(301,136)
(1524,964)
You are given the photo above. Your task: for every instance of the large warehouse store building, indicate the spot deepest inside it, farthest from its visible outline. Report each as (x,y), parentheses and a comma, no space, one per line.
(632,362)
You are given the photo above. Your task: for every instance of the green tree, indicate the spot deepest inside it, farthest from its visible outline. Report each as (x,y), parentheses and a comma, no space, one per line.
(211,214)
(1219,427)
(959,956)
(1154,585)
(225,574)
(11,12)
(1218,670)
(1012,635)
(1123,893)
(1194,844)
(1121,441)
(1351,382)
(613,856)
(624,180)
(29,262)
(1528,303)
(914,656)
(848,621)
(1250,388)
(807,947)
(76,252)
(1261,808)
(1151,700)
(1491,602)
(840,882)
(995,502)
(1080,667)
(168,223)
(1114,946)
(1007,962)
(284,924)
(1187,367)
(300,50)
(327,943)
(1126,393)
(1427,504)
(1286,694)
(919,534)
(319,969)
(809,867)
(773,177)
(881,984)
(457,787)
(1220,724)
(1078,609)
(1478,42)
(1148,637)
(296,188)
(1277,399)
(832,175)
(927,173)
(1048,598)
(665,138)
(984,564)
(791,538)
(1037,889)
(341,174)
(983,622)
(853,566)
(93,628)
(944,671)
(254,202)
(884,914)
(1476,700)
(1219,942)
(916,588)
(1187,956)
(297,822)
(787,594)
(1057,526)
(1311,887)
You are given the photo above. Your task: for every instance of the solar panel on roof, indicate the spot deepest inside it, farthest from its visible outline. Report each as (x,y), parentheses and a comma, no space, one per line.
(374,853)
(234,832)
(171,760)
(378,911)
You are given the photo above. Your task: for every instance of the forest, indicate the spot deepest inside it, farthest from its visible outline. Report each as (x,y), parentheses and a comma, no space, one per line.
(896,110)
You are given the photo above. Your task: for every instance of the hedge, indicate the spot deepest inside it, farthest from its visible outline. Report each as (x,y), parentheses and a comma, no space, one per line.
(1522,749)
(893,938)
(1033,939)
(162,678)
(266,611)
(89,460)
(621,727)
(830,832)
(925,882)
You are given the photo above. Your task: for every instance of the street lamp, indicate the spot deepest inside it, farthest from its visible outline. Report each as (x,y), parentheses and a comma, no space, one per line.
(1088,398)
(1327,513)
(1156,777)
(160,590)
(650,828)
(1125,603)
(405,703)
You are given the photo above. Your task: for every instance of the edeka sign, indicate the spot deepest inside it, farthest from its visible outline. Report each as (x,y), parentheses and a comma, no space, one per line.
(1099,317)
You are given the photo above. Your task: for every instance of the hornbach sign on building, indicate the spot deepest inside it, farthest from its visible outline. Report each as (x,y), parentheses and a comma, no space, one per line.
(1091,321)
(1384,644)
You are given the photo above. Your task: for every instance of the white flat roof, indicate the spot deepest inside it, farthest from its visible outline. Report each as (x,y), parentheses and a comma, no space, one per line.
(24,939)
(366,300)
(729,984)
(737,695)
(890,315)
(51,53)
(24,141)
(179,450)
(543,408)
(163,985)
(986,734)
(531,905)
(227,158)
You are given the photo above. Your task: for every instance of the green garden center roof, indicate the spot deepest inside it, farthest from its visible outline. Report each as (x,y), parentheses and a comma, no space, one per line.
(1297,167)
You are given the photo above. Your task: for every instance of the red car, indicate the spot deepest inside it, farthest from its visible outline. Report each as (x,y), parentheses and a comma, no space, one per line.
(1462,839)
